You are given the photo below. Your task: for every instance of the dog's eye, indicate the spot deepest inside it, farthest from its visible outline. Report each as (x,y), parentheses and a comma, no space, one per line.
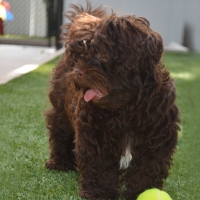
(73,63)
(98,57)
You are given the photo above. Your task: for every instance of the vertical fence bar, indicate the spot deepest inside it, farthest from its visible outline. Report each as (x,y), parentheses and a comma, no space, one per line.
(59,23)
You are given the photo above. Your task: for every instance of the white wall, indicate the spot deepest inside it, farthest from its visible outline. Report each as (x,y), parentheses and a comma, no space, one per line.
(176,20)
(192,25)
(164,15)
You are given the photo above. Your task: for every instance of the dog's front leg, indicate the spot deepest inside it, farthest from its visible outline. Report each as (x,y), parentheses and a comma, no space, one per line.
(147,172)
(61,141)
(99,173)
(61,134)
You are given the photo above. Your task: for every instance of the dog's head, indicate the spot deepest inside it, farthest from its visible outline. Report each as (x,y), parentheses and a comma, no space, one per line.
(111,58)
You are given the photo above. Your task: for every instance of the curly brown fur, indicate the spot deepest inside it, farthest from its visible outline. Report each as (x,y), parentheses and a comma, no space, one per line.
(111,95)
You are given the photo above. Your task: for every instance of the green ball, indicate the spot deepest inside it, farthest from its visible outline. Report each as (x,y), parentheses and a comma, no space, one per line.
(154,194)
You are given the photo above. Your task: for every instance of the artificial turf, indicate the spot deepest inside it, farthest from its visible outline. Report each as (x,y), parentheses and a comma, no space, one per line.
(24,142)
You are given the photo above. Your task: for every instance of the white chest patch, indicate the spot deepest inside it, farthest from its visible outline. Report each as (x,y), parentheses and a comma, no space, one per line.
(125,159)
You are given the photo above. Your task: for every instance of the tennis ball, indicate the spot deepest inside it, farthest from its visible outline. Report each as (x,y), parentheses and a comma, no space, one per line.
(154,194)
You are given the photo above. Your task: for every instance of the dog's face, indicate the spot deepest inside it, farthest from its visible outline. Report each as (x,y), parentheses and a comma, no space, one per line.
(111,58)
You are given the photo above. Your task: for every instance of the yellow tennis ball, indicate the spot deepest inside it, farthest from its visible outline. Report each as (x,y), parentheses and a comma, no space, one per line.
(154,194)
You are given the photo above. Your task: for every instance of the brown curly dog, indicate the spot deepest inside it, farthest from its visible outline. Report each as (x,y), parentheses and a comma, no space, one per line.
(114,116)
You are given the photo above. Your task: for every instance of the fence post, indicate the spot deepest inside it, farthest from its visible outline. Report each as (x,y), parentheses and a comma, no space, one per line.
(59,23)
(51,18)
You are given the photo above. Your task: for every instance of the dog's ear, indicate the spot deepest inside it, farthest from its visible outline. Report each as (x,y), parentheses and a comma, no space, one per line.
(82,27)
(154,47)
(81,22)
(151,41)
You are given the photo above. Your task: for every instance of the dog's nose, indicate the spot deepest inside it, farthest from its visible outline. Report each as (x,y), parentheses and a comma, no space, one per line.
(79,72)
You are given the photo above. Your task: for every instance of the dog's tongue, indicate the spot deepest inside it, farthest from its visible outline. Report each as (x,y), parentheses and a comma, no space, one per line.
(90,94)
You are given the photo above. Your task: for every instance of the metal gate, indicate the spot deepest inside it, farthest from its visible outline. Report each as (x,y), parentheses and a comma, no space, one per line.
(36,22)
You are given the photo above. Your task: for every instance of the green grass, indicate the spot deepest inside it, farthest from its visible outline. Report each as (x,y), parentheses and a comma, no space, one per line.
(24,142)
(184,180)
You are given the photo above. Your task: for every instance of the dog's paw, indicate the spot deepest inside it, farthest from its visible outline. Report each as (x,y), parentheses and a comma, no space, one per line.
(52,165)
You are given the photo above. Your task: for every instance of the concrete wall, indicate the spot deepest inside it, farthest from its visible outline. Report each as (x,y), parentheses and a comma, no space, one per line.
(192,25)
(176,20)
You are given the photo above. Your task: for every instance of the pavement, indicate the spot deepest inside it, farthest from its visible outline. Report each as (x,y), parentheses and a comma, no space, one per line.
(16,60)
(175,47)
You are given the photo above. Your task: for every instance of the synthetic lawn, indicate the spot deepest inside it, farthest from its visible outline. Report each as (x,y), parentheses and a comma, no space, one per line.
(24,141)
